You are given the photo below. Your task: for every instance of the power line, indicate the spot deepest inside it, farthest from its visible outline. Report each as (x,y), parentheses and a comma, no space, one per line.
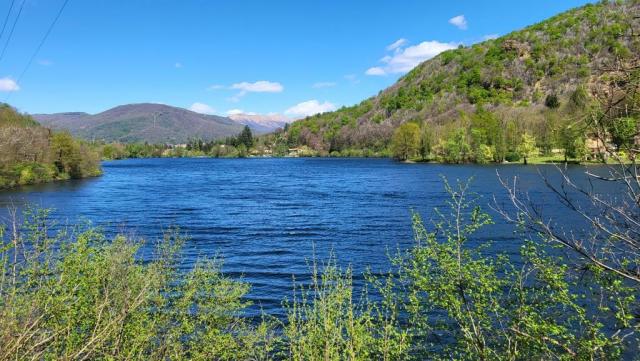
(6,19)
(13,27)
(44,38)
(46,35)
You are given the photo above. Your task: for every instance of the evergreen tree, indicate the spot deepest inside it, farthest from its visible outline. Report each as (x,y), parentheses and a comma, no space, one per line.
(552,101)
(245,137)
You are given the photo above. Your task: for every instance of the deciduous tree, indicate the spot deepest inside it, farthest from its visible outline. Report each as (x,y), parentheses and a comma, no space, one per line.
(406,140)
(527,147)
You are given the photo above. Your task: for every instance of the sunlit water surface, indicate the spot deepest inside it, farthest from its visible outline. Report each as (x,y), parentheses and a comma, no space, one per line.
(264,217)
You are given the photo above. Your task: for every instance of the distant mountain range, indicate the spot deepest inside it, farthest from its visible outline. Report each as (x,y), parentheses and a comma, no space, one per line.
(262,123)
(154,123)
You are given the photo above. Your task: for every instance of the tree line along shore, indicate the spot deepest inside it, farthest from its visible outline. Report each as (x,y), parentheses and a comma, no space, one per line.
(30,153)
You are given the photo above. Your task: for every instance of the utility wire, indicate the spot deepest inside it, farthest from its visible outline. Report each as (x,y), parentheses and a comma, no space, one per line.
(13,27)
(44,38)
(6,19)
(46,35)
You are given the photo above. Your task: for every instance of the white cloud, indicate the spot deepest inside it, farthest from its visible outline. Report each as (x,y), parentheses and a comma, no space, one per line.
(376,70)
(459,22)
(397,44)
(261,86)
(235,111)
(8,85)
(178,65)
(323,84)
(45,62)
(490,36)
(201,108)
(310,107)
(216,87)
(405,59)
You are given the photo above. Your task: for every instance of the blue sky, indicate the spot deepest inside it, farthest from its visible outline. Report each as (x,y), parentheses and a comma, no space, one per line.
(293,57)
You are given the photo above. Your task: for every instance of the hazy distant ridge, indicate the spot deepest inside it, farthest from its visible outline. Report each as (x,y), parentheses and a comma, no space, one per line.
(147,122)
(262,122)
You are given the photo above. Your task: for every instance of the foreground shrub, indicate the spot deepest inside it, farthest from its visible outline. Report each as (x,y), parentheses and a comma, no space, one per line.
(467,303)
(326,321)
(78,296)
(74,294)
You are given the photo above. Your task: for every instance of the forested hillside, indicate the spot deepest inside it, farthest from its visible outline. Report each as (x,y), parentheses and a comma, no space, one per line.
(30,153)
(146,122)
(492,101)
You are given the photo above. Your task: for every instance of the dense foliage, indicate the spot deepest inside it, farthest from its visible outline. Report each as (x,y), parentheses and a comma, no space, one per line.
(485,97)
(76,295)
(79,296)
(242,145)
(32,154)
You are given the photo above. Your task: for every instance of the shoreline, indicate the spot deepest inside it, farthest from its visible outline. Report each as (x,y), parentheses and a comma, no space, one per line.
(532,162)
(56,180)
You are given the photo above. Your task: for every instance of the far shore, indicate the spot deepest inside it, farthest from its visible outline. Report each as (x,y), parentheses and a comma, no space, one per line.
(531,161)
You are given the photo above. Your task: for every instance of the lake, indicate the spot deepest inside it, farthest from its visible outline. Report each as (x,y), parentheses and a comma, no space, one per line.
(266,216)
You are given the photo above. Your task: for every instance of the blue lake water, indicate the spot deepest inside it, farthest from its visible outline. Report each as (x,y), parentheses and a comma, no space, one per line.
(265,217)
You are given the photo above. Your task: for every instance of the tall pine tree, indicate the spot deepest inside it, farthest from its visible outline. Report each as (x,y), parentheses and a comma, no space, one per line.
(245,137)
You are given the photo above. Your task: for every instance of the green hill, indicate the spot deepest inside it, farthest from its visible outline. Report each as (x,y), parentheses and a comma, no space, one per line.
(30,153)
(146,122)
(530,81)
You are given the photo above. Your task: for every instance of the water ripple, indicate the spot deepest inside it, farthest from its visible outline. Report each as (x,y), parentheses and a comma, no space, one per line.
(266,217)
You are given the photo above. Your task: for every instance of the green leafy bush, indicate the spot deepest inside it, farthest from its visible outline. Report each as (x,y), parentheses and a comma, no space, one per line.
(31,173)
(77,295)
(552,101)
(512,157)
(494,307)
